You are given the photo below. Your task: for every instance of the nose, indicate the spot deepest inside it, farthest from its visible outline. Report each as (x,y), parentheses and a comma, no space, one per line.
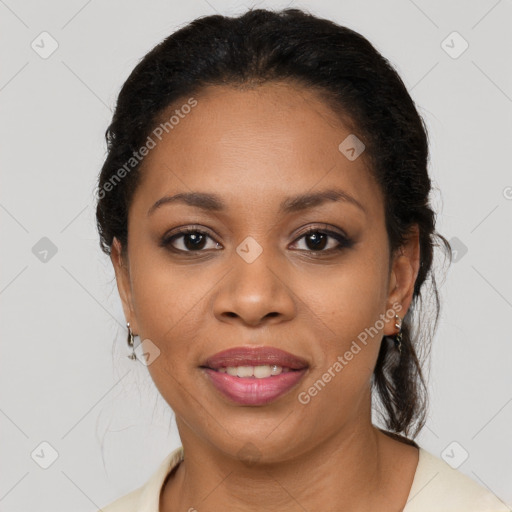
(254,293)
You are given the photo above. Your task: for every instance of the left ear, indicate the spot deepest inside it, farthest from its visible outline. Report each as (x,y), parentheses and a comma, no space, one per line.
(405,267)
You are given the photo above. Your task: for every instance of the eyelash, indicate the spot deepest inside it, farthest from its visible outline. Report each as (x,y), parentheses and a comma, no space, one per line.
(343,241)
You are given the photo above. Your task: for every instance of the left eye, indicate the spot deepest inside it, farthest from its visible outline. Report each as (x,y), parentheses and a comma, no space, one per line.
(318,240)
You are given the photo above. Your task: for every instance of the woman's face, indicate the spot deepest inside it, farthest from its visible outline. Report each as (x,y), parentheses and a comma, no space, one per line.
(255,278)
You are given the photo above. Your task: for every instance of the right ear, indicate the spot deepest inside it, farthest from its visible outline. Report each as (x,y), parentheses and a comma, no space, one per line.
(123,282)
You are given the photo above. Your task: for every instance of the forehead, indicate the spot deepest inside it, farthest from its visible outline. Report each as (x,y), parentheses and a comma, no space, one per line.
(263,142)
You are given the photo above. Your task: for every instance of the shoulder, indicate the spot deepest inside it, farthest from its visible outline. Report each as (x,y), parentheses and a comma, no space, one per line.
(437,487)
(146,498)
(126,503)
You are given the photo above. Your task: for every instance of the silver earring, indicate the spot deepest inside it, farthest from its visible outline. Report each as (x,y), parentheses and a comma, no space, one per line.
(398,336)
(131,353)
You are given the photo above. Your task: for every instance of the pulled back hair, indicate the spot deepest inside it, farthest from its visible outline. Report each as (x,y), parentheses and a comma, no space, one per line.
(359,85)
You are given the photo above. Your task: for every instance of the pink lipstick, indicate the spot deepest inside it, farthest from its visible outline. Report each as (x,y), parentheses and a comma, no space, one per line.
(254,375)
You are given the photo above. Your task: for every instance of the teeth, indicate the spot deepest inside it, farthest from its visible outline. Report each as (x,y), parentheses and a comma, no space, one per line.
(260,372)
(244,371)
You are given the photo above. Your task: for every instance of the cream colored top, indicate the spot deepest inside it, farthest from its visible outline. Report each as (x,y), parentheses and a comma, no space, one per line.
(436,487)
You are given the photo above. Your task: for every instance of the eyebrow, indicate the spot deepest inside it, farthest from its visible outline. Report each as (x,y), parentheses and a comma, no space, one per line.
(213,202)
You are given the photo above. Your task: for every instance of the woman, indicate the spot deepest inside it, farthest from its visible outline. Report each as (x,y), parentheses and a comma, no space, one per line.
(265,204)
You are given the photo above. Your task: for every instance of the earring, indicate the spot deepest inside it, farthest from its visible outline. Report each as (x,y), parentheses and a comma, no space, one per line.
(398,336)
(131,354)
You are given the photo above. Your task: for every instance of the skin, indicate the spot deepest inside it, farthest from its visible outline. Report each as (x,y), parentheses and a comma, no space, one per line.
(254,148)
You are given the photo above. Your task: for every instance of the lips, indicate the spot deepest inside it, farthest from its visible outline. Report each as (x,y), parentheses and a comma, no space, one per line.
(242,387)
(254,356)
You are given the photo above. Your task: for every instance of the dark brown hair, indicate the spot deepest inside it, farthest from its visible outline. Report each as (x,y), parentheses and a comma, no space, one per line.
(357,82)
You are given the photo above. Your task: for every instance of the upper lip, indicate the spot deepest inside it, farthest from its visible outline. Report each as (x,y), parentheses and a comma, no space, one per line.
(254,356)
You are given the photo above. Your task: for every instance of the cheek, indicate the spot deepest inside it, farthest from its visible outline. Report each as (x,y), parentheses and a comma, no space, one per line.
(167,304)
(348,298)
(349,306)
(164,293)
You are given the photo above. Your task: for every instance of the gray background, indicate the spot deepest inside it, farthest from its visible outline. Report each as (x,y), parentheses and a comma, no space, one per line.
(65,379)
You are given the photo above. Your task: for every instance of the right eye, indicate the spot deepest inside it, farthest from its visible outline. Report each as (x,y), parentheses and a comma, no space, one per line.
(190,239)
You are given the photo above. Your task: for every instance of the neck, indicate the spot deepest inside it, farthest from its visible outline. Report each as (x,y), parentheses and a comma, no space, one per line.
(351,469)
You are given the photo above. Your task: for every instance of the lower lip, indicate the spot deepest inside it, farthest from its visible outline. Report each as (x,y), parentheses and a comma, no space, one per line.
(251,390)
